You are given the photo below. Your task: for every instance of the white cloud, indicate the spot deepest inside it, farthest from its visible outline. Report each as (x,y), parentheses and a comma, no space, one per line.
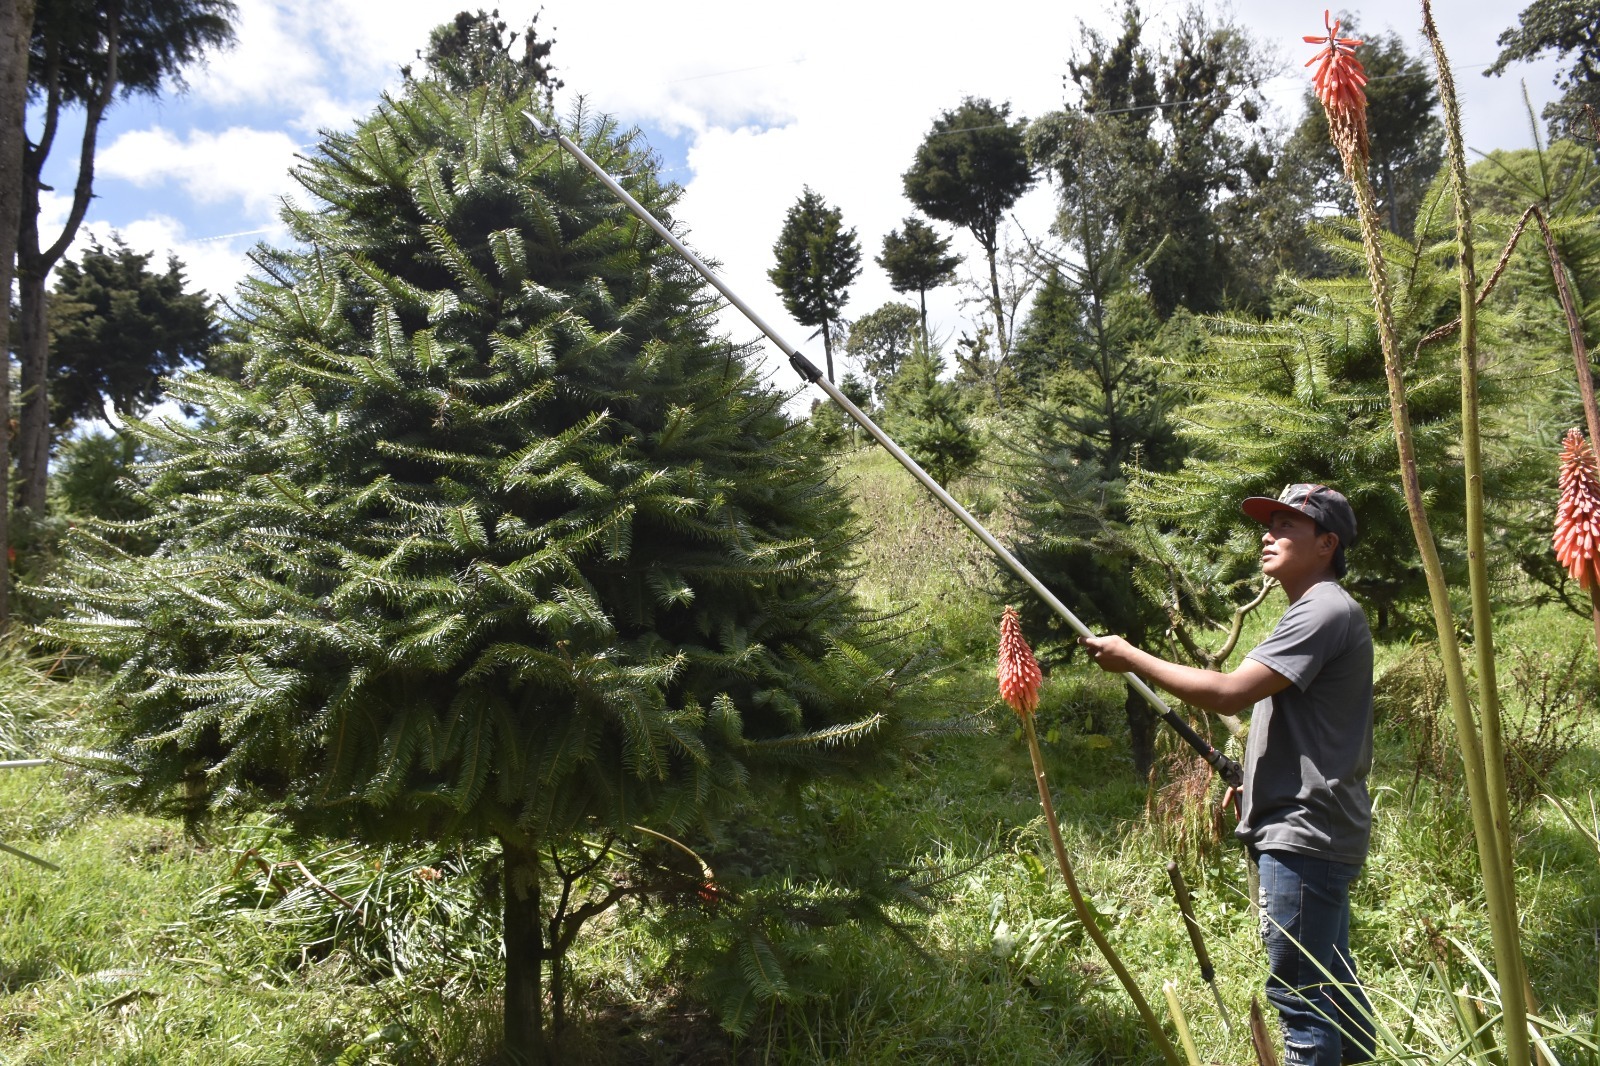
(248,165)
(833,93)
(213,264)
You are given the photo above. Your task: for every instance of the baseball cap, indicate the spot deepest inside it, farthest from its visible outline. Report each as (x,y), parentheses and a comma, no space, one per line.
(1324,506)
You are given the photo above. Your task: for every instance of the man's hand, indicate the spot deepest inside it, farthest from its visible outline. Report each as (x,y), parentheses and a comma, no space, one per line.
(1112,654)
(1209,690)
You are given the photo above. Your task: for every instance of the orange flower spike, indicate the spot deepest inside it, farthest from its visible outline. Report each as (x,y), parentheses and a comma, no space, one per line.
(1577,534)
(1339,82)
(1018,670)
(1339,76)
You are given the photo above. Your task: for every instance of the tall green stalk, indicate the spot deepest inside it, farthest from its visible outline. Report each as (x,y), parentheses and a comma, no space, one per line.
(1477,563)
(1152,1024)
(1490,862)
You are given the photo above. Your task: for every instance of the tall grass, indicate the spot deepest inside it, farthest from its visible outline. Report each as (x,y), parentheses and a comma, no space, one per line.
(151,947)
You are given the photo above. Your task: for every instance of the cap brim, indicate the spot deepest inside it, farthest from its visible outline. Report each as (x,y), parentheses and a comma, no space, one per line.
(1262,508)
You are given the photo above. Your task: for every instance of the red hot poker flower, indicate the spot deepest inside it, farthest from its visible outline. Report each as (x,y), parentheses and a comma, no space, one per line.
(1019,670)
(1339,80)
(1340,77)
(1577,536)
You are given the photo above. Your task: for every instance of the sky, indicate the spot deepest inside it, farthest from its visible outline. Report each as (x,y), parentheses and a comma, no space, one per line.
(746,104)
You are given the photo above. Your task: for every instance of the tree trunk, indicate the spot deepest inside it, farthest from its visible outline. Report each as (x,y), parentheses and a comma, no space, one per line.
(16,30)
(33,427)
(1141,732)
(34,261)
(1001,346)
(524,1043)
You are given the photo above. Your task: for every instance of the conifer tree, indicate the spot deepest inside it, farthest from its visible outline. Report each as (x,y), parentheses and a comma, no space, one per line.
(1303,398)
(494,541)
(925,416)
(918,259)
(969,169)
(817,260)
(117,328)
(1102,406)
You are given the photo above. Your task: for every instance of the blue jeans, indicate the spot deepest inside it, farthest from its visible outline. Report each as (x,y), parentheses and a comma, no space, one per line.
(1305,924)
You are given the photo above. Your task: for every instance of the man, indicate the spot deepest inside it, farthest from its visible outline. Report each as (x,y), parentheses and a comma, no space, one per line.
(1304,813)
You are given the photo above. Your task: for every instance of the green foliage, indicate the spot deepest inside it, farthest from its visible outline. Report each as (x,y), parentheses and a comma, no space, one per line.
(1166,153)
(1565,28)
(1538,398)
(1304,397)
(495,540)
(918,259)
(117,328)
(474,50)
(969,169)
(817,260)
(480,533)
(882,340)
(155,39)
(925,417)
(90,478)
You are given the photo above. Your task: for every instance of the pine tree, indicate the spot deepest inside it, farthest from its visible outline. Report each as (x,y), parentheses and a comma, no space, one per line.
(817,260)
(926,418)
(1302,398)
(918,259)
(495,541)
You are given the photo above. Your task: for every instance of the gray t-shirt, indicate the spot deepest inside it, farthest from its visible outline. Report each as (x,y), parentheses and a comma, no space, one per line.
(1310,747)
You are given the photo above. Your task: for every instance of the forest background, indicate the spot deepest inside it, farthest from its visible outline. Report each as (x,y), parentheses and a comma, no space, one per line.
(1185,326)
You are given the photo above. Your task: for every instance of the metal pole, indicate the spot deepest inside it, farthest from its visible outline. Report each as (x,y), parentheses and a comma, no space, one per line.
(1226,767)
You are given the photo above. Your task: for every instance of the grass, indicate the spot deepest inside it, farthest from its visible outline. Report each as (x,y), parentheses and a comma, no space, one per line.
(147,948)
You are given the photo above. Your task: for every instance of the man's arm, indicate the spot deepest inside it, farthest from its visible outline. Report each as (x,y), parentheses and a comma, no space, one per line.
(1209,690)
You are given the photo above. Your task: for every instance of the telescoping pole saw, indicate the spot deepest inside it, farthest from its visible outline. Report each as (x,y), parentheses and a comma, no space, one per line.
(1224,766)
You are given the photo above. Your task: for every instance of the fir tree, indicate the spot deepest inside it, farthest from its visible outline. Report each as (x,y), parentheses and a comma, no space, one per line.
(817,260)
(1303,398)
(918,259)
(494,541)
(926,418)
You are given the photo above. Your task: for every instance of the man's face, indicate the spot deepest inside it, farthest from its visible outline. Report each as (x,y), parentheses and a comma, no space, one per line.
(1291,550)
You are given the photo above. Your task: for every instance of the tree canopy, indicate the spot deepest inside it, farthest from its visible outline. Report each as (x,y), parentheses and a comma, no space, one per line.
(969,169)
(494,541)
(1566,28)
(817,261)
(917,259)
(117,328)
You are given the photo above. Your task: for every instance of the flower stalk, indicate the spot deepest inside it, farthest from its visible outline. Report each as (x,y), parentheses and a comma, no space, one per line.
(1339,89)
(1494,758)
(1019,678)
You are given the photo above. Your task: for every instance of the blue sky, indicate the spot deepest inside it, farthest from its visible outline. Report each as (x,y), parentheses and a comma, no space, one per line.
(746,103)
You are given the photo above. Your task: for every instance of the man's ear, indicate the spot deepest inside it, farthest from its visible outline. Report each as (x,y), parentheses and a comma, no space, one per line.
(1330,541)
